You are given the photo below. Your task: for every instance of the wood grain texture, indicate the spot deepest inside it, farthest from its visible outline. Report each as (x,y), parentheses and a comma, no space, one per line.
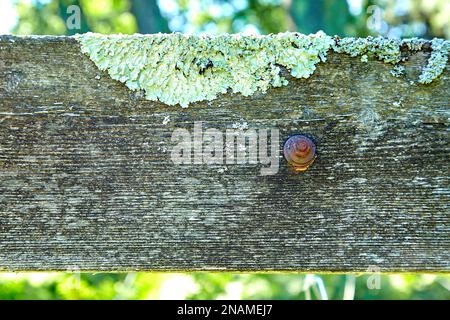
(86,180)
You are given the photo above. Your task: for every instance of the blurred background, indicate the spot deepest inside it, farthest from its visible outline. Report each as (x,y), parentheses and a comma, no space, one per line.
(398,19)
(393,18)
(201,285)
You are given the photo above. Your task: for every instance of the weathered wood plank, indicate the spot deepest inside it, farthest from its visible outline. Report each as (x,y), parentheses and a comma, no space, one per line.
(86,179)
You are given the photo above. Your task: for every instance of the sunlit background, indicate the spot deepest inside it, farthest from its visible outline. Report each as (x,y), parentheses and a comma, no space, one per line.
(220,286)
(398,19)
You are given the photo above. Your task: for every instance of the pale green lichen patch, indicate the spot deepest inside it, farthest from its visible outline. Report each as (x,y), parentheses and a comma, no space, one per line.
(414,44)
(437,62)
(181,69)
(398,70)
(387,50)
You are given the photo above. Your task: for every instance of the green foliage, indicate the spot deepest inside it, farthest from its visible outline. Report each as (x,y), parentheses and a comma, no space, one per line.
(422,18)
(39,18)
(216,286)
(333,17)
(49,17)
(409,18)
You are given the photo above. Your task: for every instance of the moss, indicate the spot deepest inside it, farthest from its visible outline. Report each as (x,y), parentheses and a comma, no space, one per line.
(181,69)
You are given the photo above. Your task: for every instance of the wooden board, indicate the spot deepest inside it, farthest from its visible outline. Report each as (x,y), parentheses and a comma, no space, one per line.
(87,182)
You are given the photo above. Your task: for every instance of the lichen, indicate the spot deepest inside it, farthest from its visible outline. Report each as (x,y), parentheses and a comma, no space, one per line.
(414,44)
(398,70)
(181,69)
(437,61)
(387,50)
